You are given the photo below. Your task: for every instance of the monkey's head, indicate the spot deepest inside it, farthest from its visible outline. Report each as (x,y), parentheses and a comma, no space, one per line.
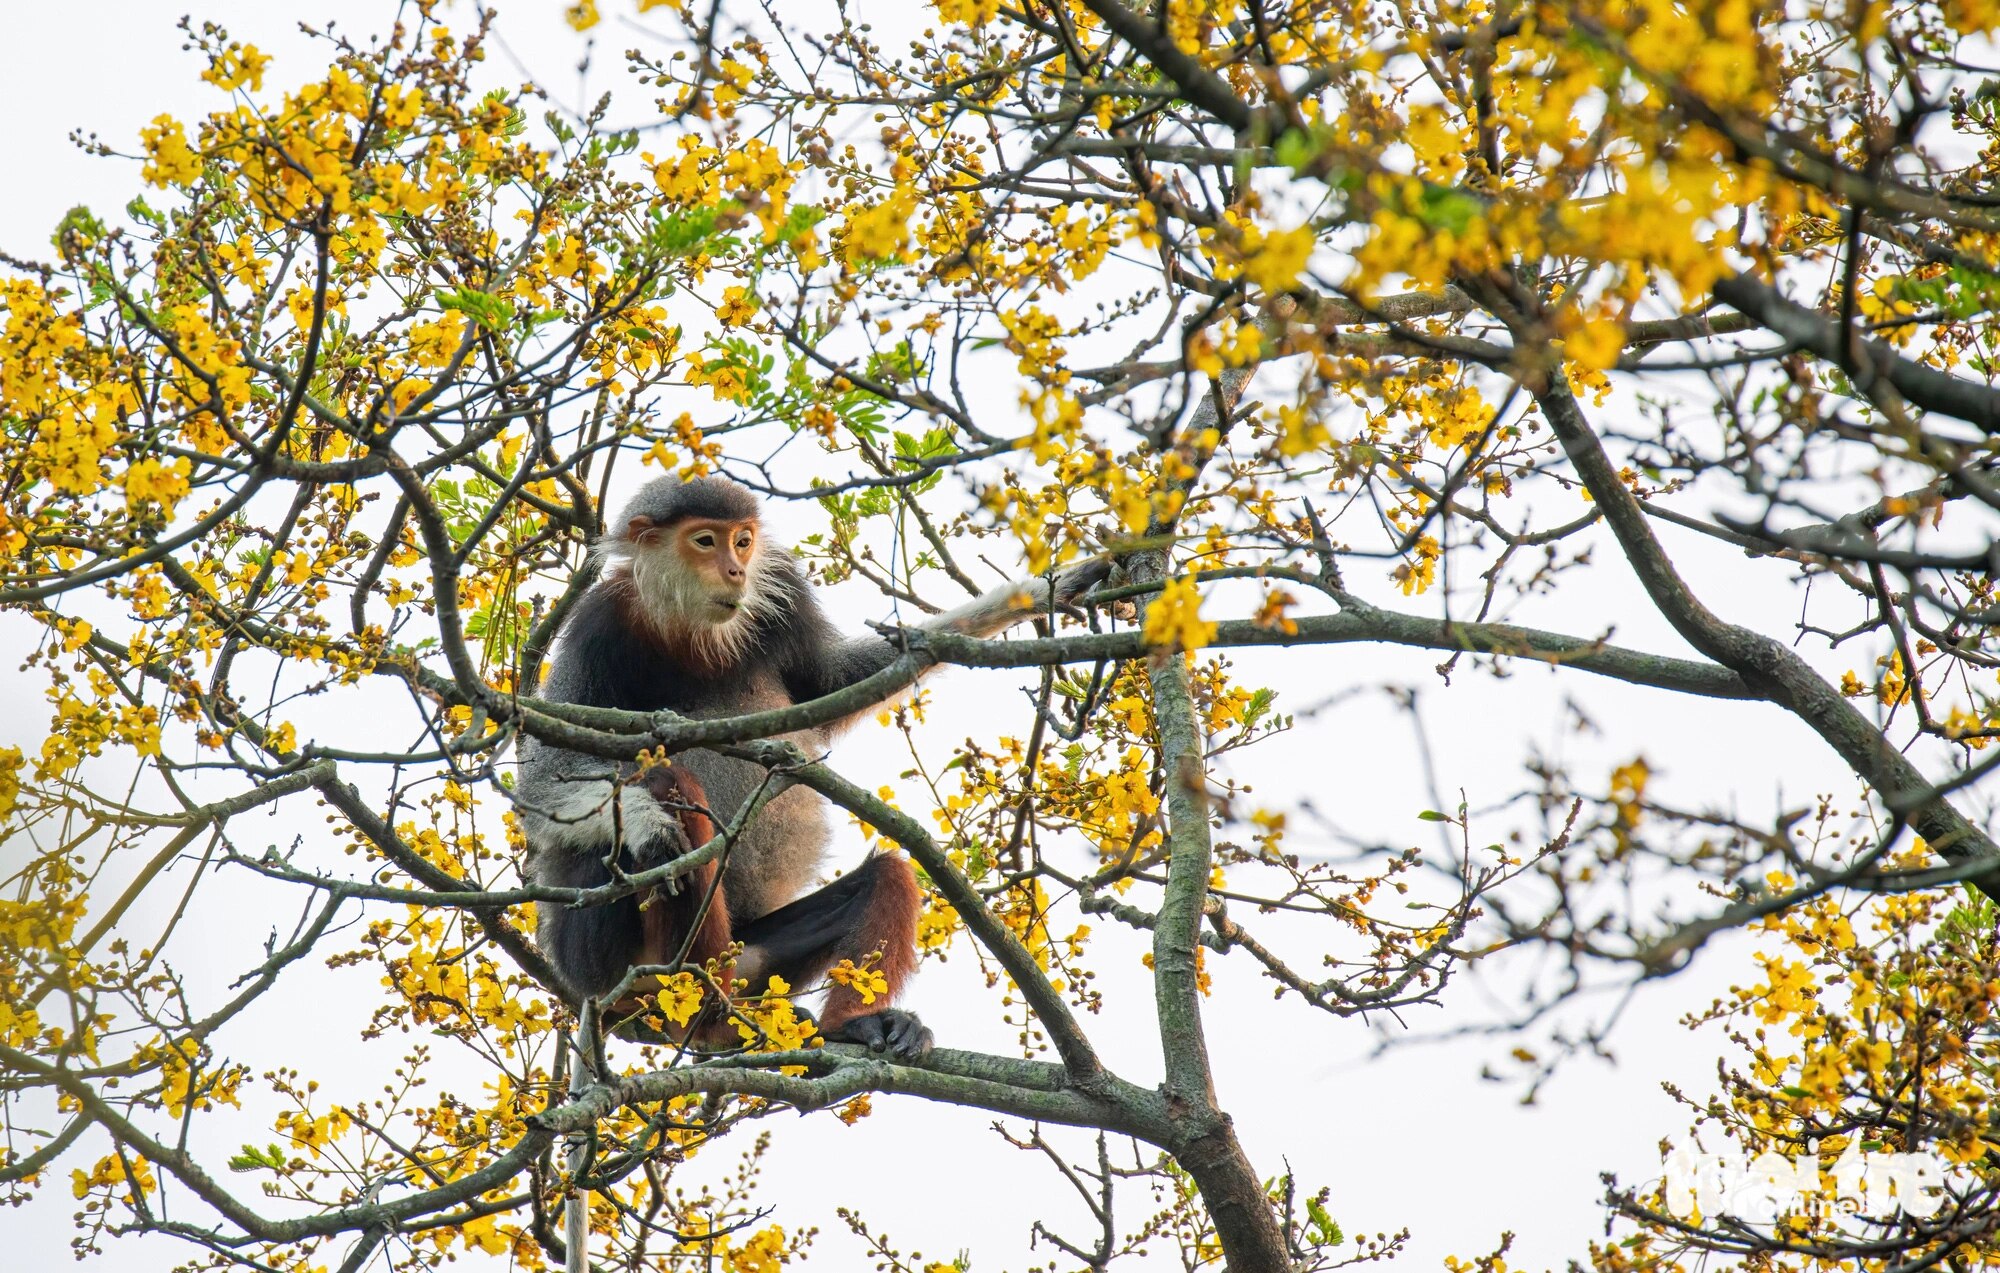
(693,550)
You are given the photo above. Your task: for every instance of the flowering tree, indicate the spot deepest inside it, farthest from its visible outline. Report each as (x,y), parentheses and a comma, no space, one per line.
(1325,325)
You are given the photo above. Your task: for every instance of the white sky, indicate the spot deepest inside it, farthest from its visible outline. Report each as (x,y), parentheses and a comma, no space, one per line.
(1414,1140)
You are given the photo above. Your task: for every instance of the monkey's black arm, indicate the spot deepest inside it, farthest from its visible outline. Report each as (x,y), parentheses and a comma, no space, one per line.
(582,814)
(840,663)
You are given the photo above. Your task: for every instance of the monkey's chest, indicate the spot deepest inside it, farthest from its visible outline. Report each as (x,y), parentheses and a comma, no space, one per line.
(757,689)
(778,854)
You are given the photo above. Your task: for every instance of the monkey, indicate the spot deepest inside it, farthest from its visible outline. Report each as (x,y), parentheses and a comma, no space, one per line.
(697,610)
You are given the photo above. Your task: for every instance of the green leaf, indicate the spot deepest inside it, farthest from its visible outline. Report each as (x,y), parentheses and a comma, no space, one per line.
(78,221)
(492,312)
(1258,707)
(1442,208)
(686,232)
(1296,149)
(255,1159)
(1324,1228)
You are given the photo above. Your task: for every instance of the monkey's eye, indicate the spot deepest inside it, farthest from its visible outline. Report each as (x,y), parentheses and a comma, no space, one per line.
(743,542)
(704,539)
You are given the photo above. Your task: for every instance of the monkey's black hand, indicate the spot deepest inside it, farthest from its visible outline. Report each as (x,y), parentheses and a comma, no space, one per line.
(1076,580)
(900,1034)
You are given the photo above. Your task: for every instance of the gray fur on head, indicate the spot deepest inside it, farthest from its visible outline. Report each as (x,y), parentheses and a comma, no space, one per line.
(673,599)
(668,499)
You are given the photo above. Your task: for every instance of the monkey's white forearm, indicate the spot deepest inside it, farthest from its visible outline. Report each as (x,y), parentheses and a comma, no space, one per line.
(987,615)
(587,813)
(858,658)
(995,611)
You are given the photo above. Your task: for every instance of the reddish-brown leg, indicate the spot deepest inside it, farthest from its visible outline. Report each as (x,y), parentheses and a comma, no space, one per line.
(868,916)
(690,922)
(885,940)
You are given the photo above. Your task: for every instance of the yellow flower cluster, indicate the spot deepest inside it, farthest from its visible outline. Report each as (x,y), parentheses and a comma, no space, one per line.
(769,1022)
(865,982)
(680,997)
(878,231)
(1173,619)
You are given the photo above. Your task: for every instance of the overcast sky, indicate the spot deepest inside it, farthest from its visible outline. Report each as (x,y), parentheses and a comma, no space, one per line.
(1416,1140)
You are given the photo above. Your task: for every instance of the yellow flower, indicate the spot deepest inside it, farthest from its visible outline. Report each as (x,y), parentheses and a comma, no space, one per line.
(10,779)
(936,924)
(170,161)
(680,997)
(1596,344)
(1174,618)
(763,1253)
(237,65)
(736,308)
(866,982)
(774,1019)
(1628,789)
(970,13)
(1417,576)
(1276,262)
(1968,17)
(433,343)
(1272,613)
(484,1234)
(154,481)
(689,178)
(1298,432)
(314,1133)
(1790,992)
(111,1171)
(880,231)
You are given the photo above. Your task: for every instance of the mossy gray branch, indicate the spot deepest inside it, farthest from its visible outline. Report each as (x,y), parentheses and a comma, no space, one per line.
(1019,1088)
(616,734)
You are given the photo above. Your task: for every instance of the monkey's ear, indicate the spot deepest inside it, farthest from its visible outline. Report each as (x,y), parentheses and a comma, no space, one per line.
(637,528)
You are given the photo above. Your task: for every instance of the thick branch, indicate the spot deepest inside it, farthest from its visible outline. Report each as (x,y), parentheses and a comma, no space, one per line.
(1865,361)
(1359,621)
(1780,675)
(1023,1089)
(1199,85)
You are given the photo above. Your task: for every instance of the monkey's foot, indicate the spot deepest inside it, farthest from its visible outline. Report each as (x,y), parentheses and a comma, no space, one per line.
(901,1034)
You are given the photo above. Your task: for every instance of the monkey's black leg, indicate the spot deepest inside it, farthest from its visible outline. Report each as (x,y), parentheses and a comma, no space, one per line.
(869,916)
(590,946)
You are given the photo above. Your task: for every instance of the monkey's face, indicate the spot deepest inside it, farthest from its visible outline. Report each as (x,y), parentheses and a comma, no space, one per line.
(713,559)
